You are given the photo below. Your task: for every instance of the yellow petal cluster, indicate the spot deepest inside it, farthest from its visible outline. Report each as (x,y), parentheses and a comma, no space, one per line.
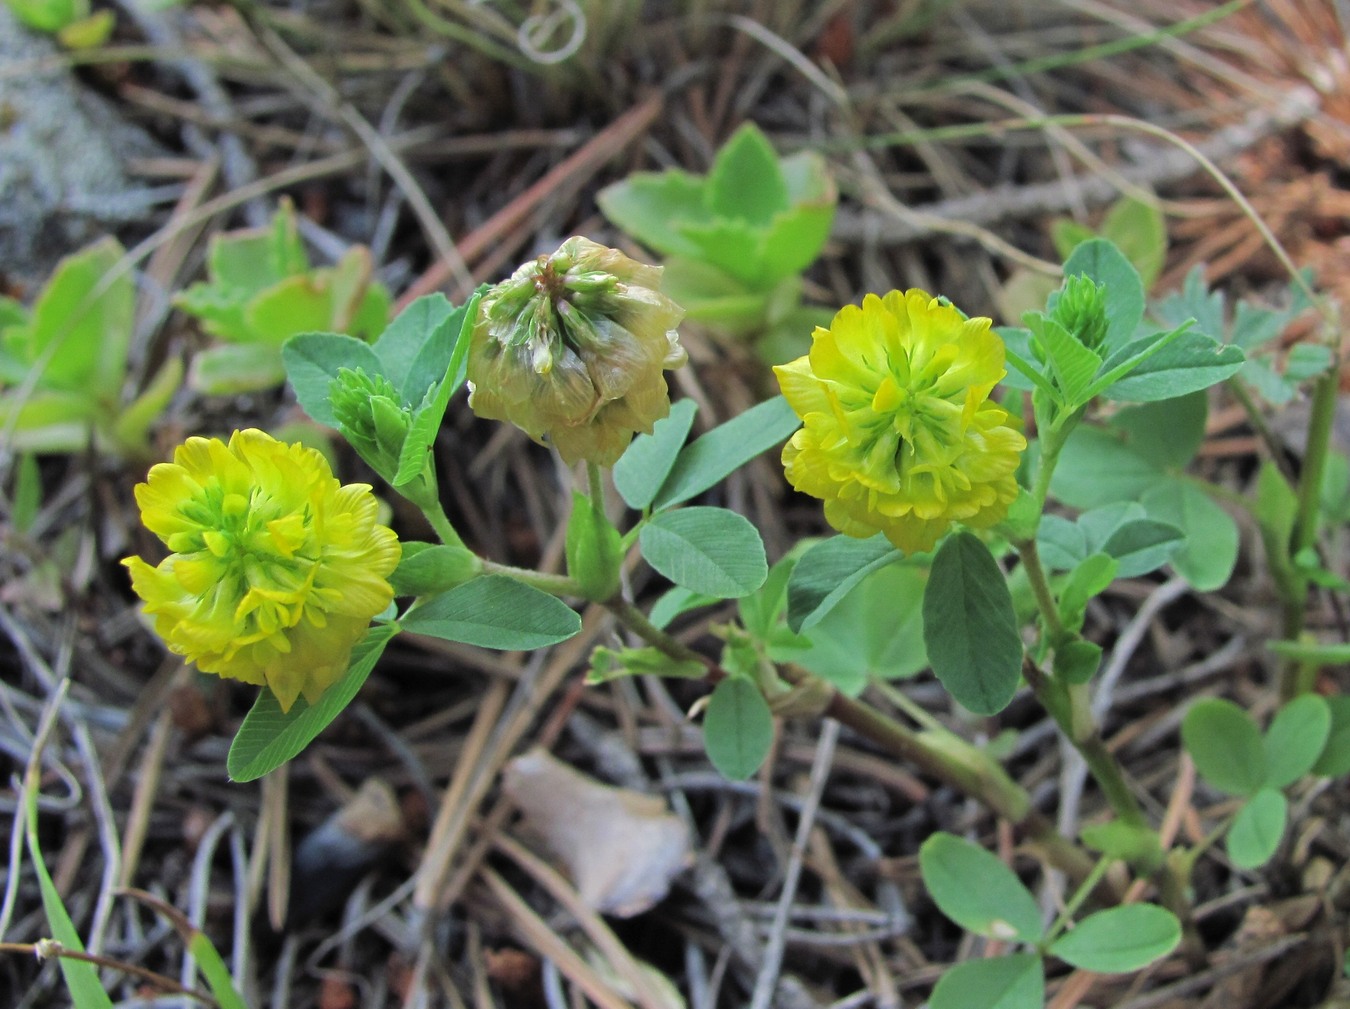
(275,568)
(899,435)
(573,348)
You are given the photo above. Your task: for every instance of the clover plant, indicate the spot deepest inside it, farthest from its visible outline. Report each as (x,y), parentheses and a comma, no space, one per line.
(981,894)
(985,484)
(1234,757)
(1133,225)
(262,291)
(736,240)
(64,362)
(73,22)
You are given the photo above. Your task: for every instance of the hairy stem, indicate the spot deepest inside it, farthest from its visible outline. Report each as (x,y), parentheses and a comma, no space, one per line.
(1040,588)
(554,585)
(440,522)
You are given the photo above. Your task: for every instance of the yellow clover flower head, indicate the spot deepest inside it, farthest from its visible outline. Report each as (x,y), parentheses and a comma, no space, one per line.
(899,435)
(574,346)
(275,569)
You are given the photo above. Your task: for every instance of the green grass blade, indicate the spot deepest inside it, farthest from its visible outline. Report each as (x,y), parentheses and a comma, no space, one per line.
(213,969)
(86,990)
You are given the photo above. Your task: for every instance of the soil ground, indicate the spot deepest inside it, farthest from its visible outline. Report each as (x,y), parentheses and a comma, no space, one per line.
(451,129)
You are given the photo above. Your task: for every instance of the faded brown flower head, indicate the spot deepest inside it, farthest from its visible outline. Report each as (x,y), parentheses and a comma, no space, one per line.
(573,347)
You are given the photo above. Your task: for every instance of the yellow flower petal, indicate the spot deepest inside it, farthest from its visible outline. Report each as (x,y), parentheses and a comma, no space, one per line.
(899,435)
(276,568)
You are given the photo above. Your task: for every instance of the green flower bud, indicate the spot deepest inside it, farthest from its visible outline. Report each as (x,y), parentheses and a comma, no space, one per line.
(370,416)
(1081,310)
(573,348)
(594,549)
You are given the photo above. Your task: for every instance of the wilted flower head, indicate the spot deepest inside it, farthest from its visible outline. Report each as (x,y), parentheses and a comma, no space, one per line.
(276,568)
(573,347)
(899,435)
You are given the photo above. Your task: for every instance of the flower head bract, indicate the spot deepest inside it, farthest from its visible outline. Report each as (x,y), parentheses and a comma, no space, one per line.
(573,347)
(899,435)
(275,567)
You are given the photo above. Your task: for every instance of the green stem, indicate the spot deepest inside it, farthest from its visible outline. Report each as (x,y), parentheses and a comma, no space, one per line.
(940,753)
(1076,901)
(424,492)
(1030,554)
(597,484)
(952,760)
(636,621)
(554,585)
(1263,430)
(916,712)
(440,522)
(1068,703)
(1298,677)
(1102,764)
(1052,439)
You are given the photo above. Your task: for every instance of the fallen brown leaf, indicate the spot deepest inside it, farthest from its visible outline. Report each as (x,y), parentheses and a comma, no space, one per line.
(621,848)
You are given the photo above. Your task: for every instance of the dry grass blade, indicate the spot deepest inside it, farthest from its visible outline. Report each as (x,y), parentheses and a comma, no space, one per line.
(636,979)
(547,943)
(564,178)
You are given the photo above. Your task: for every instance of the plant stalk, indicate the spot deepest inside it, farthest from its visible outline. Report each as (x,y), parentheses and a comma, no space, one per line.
(1298,677)
(955,762)
(555,585)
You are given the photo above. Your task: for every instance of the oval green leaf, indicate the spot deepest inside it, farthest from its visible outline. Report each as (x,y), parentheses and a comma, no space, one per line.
(646,462)
(1335,758)
(1257,829)
(1295,739)
(495,611)
(875,632)
(1120,939)
(1208,554)
(426,568)
(312,361)
(445,354)
(977,891)
(269,736)
(1000,982)
(745,182)
(1097,468)
(675,601)
(828,571)
(970,627)
(1226,746)
(421,324)
(737,728)
(726,448)
(1142,545)
(398,346)
(1167,433)
(712,551)
(1061,542)
(1190,362)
